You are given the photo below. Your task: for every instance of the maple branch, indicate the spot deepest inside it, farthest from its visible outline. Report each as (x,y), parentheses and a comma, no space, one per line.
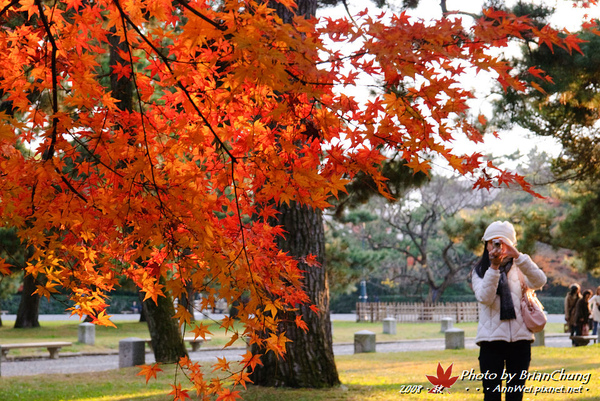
(200,15)
(456,12)
(70,186)
(49,153)
(142,115)
(166,61)
(8,6)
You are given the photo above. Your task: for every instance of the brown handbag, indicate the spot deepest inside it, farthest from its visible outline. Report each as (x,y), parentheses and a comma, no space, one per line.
(532,309)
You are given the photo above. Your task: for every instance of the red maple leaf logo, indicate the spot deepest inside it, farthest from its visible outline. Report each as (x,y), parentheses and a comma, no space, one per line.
(442,381)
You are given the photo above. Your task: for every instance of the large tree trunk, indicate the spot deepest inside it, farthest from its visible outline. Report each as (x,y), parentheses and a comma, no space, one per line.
(28,313)
(167,343)
(309,360)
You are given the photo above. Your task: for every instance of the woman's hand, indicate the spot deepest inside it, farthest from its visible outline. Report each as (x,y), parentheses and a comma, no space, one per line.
(495,257)
(498,254)
(510,251)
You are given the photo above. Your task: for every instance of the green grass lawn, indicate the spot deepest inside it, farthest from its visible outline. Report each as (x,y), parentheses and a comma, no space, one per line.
(365,377)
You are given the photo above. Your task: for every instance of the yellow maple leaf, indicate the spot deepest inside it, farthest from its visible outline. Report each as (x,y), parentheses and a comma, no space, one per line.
(103,319)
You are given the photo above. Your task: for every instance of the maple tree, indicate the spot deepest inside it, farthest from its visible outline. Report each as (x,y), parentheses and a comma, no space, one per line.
(234,113)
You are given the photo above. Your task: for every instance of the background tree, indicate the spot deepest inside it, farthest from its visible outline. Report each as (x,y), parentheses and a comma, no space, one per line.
(15,256)
(410,236)
(565,106)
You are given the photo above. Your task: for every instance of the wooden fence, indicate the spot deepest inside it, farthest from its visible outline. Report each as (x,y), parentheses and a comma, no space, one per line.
(417,311)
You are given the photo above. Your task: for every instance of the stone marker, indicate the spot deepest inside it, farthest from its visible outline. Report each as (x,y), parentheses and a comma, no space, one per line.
(455,339)
(364,341)
(87,333)
(132,352)
(447,323)
(389,325)
(540,339)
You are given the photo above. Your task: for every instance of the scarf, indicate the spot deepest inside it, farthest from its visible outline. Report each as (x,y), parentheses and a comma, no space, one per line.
(507,308)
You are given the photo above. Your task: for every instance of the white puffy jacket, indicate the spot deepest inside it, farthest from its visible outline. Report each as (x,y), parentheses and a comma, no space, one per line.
(490,327)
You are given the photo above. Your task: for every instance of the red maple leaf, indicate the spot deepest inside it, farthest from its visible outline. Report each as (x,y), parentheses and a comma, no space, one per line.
(443,379)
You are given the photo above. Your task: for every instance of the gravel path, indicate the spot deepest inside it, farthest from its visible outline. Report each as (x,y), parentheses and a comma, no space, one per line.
(97,363)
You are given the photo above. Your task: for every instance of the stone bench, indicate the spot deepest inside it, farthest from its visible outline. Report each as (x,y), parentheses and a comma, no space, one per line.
(53,347)
(196,343)
(583,340)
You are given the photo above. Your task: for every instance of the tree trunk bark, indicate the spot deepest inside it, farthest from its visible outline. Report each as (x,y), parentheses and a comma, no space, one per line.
(28,313)
(187,299)
(309,360)
(167,343)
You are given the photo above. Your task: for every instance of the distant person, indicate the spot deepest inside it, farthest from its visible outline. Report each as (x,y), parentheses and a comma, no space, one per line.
(504,340)
(135,308)
(595,310)
(582,313)
(570,302)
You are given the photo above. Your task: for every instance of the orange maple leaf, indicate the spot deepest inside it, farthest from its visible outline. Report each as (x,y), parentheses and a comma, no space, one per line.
(149,371)
(222,364)
(4,267)
(200,331)
(228,395)
(179,394)
(251,360)
(301,323)
(242,378)
(443,379)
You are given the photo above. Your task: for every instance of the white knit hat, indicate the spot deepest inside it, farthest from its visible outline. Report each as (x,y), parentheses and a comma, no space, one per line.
(501,229)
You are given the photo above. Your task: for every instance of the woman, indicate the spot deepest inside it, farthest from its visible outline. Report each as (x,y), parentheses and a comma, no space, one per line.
(595,309)
(503,338)
(582,313)
(570,301)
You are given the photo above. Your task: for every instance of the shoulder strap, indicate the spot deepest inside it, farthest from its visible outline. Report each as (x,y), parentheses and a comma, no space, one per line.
(524,287)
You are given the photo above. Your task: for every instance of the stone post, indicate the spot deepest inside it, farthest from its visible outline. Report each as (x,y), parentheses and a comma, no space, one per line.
(132,352)
(364,341)
(87,333)
(389,325)
(540,339)
(455,339)
(447,323)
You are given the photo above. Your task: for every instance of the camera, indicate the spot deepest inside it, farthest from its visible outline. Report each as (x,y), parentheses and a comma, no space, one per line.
(497,243)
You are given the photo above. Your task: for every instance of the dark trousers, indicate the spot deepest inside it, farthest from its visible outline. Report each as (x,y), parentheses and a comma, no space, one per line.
(498,357)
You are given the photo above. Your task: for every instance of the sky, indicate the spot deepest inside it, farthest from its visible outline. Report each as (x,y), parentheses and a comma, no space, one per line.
(517,138)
